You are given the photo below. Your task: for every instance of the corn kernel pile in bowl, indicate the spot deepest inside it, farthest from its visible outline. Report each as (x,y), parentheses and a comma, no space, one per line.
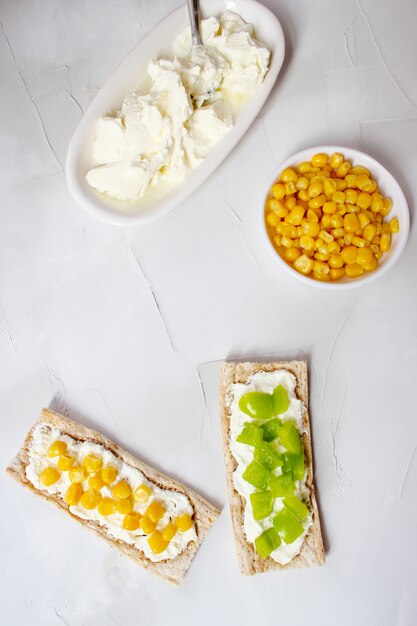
(326,218)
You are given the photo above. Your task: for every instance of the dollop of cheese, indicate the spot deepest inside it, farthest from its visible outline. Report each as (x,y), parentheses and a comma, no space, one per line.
(189,108)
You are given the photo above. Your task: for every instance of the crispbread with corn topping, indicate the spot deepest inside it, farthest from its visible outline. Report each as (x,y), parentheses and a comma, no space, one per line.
(172,570)
(312,551)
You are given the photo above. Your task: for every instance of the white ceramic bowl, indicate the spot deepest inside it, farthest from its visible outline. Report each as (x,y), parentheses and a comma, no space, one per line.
(388,187)
(130,75)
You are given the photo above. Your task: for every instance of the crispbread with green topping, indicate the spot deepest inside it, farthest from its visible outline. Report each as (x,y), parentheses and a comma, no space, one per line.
(312,550)
(205,514)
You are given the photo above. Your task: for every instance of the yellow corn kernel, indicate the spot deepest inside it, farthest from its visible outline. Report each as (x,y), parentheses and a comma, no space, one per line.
(73,494)
(359,242)
(169,532)
(278,191)
(350,181)
(325,236)
(290,202)
(290,188)
(183,522)
(312,216)
(364,256)
(317,201)
(108,475)
(329,207)
(333,247)
(124,506)
(360,171)
(352,208)
(142,493)
(379,218)
(394,225)
(307,242)
(302,183)
(277,240)
(279,228)
(337,273)
(315,189)
(272,219)
(338,197)
(311,229)
(303,195)
(92,463)
(364,200)
(90,499)
(289,230)
(377,203)
(155,511)
(121,490)
(336,261)
(369,232)
(354,270)
(326,221)
(343,169)
(351,195)
(321,277)
(303,264)
(338,232)
(157,543)
(385,244)
(272,204)
(286,242)
(349,254)
(362,181)
(56,448)
(351,223)
(387,206)
(77,474)
(370,187)
(320,159)
(291,254)
(147,525)
(131,521)
(106,506)
(329,186)
(95,481)
(375,246)
(320,256)
(363,219)
(337,221)
(341,184)
(65,462)
(336,160)
(288,175)
(341,209)
(304,167)
(321,268)
(49,476)
(295,216)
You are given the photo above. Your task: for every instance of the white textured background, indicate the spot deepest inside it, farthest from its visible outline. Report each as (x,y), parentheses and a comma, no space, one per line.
(124,329)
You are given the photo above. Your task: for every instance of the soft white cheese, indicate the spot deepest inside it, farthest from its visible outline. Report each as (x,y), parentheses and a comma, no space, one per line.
(163,135)
(175,503)
(266,382)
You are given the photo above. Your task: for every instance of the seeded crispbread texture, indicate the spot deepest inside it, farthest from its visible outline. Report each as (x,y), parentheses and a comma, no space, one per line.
(205,514)
(312,551)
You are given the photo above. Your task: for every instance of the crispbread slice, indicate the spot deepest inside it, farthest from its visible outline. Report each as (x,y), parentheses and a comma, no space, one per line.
(312,551)
(205,514)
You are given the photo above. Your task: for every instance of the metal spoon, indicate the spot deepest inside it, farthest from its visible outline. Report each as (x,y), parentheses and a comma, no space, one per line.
(194,13)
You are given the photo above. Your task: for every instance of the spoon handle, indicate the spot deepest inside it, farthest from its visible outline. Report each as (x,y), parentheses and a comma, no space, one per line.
(194,13)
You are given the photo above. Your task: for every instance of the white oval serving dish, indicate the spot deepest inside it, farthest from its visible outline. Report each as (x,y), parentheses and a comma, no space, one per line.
(130,75)
(388,187)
